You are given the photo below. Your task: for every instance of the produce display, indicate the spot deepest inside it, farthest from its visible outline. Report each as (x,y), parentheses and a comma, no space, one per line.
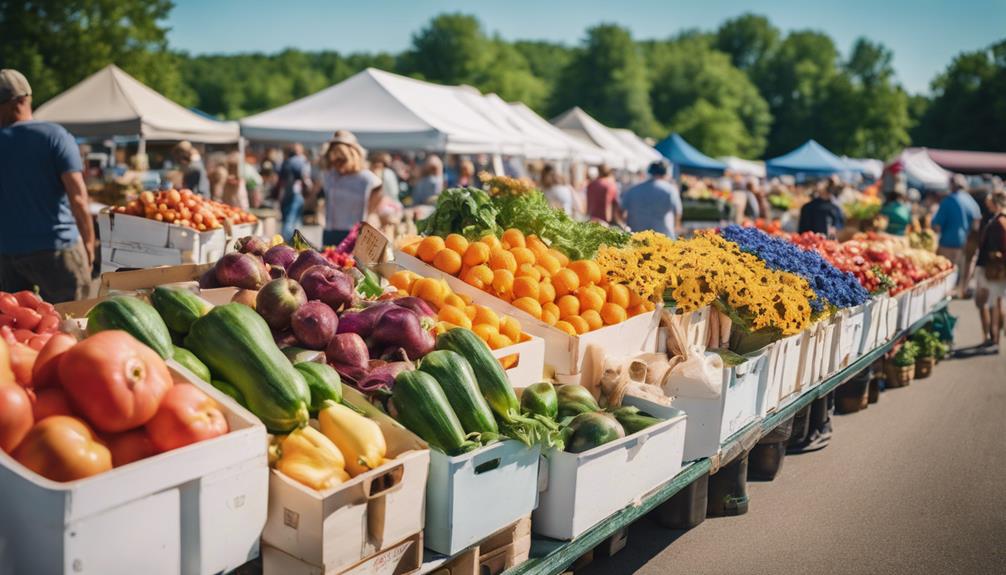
(184,208)
(100,403)
(573,296)
(26,319)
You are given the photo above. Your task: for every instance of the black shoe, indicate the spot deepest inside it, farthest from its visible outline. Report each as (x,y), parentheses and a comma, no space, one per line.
(815,442)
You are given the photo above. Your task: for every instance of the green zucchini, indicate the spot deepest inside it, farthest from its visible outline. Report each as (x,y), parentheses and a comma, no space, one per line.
(540,399)
(236,344)
(574,400)
(189,361)
(421,406)
(633,420)
(229,390)
(590,430)
(178,307)
(134,316)
(299,355)
(323,381)
(457,379)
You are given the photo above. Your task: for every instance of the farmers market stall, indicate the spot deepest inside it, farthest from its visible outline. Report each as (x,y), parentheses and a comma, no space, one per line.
(504,393)
(582,126)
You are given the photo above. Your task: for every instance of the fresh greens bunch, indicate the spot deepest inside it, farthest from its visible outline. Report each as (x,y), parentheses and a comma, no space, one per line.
(907,354)
(466,211)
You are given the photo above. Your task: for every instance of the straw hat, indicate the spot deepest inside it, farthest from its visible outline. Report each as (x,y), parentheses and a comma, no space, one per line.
(347,137)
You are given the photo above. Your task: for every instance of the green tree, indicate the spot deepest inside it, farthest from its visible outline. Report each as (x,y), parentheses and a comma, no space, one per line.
(607,78)
(510,76)
(58,43)
(749,39)
(546,61)
(452,49)
(693,84)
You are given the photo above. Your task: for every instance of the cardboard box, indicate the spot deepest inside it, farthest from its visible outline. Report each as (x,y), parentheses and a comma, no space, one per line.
(337,528)
(195,510)
(563,353)
(473,495)
(130,241)
(398,559)
(582,489)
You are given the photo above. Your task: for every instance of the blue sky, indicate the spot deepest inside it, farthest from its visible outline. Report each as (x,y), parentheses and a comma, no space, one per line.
(924,34)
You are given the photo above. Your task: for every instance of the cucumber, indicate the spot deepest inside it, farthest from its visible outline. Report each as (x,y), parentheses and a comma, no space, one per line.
(229,390)
(323,382)
(134,316)
(178,307)
(189,361)
(633,420)
(574,400)
(421,406)
(457,379)
(590,430)
(540,399)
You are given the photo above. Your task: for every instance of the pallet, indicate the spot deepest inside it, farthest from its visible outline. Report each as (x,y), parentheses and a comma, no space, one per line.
(507,548)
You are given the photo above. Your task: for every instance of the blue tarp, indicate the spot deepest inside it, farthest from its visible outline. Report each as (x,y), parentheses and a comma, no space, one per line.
(811,159)
(686,158)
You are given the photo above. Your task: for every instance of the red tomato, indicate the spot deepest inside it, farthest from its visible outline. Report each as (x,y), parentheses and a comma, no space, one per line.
(23,335)
(130,446)
(26,318)
(50,401)
(50,322)
(7,320)
(115,381)
(22,362)
(45,373)
(45,308)
(8,303)
(28,299)
(15,416)
(186,416)
(38,341)
(6,374)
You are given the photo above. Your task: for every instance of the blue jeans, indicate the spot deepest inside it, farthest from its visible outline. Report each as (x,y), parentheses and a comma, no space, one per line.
(291,208)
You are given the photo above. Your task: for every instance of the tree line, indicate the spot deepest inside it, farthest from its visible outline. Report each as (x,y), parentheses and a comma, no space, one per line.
(745,88)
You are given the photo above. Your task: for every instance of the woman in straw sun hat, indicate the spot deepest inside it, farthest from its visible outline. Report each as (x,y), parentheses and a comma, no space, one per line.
(351,190)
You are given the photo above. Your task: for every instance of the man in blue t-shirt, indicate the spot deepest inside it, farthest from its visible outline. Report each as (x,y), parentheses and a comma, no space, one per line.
(46,232)
(957,216)
(654,204)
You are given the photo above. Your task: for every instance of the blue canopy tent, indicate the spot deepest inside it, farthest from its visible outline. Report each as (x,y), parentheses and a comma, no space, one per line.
(809,160)
(687,159)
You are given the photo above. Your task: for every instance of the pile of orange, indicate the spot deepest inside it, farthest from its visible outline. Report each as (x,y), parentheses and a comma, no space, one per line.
(457,310)
(570,295)
(184,208)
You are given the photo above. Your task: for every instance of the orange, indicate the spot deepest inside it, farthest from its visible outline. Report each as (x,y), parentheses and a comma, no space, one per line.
(499,341)
(588,272)
(565,281)
(510,327)
(568,306)
(448,261)
(429,290)
(529,305)
(563,260)
(486,316)
(546,292)
(537,246)
(634,298)
(402,279)
(549,262)
(470,311)
(524,256)
(456,242)
(566,327)
(429,247)
(514,237)
(500,259)
(593,319)
(635,310)
(542,272)
(455,316)
(525,287)
(479,276)
(409,249)
(476,253)
(484,331)
(454,300)
(548,317)
(612,314)
(601,294)
(503,283)
(589,299)
(465,298)
(618,294)
(491,241)
(578,323)
(528,271)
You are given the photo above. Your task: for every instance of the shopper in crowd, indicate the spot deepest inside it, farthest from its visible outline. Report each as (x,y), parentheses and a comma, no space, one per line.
(558,194)
(957,215)
(380,165)
(352,192)
(294,181)
(466,174)
(431,183)
(190,162)
(234,192)
(991,272)
(46,232)
(654,204)
(821,215)
(602,196)
(897,211)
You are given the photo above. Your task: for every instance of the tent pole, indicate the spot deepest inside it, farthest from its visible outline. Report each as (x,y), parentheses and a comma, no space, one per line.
(142,147)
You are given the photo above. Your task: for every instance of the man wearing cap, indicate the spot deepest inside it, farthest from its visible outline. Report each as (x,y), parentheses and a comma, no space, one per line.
(654,204)
(46,233)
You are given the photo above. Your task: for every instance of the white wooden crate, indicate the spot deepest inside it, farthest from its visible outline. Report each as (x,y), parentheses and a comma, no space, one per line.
(131,241)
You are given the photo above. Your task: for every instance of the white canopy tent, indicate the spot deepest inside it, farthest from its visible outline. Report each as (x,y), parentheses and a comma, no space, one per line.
(512,139)
(636,144)
(543,131)
(921,171)
(112,103)
(742,166)
(384,111)
(579,124)
(865,166)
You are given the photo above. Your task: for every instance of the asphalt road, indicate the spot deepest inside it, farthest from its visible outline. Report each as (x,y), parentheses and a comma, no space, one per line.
(914,484)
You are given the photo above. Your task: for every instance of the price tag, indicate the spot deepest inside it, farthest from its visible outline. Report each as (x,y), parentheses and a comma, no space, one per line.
(372,247)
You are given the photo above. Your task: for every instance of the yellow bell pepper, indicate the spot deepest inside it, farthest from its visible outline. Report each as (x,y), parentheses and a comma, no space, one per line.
(358,437)
(307,456)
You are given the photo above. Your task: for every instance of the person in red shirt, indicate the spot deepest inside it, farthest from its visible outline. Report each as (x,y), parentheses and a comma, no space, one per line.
(602,196)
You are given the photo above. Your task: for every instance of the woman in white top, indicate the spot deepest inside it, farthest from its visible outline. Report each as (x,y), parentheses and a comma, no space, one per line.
(351,191)
(559,195)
